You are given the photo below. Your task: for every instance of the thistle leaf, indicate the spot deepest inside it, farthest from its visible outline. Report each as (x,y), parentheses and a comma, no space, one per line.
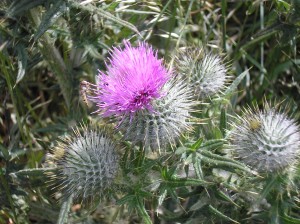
(235,83)
(104,14)
(64,211)
(18,7)
(57,9)
(22,63)
(219,214)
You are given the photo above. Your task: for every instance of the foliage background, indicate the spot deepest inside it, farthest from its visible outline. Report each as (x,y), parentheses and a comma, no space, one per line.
(47,47)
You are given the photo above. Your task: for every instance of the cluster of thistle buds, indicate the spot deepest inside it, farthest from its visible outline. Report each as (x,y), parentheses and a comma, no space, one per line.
(152,105)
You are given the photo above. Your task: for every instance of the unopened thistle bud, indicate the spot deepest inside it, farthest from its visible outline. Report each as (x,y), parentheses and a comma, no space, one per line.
(171,117)
(267,140)
(205,71)
(87,164)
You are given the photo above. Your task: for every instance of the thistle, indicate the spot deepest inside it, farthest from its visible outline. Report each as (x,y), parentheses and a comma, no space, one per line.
(266,140)
(205,72)
(149,105)
(134,78)
(163,127)
(87,164)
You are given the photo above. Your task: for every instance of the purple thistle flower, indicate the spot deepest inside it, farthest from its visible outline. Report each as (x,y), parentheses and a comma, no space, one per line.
(133,79)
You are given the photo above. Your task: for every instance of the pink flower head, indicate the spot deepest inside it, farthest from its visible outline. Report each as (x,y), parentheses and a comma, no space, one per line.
(133,79)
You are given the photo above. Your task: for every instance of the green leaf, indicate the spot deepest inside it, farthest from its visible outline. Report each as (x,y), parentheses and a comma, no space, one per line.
(211,144)
(223,122)
(4,153)
(197,167)
(162,197)
(271,183)
(235,83)
(49,18)
(199,204)
(290,220)
(92,9)
(64,211)
(182,182)
(197,144)
(19,6)
(32,172)
(226,197)
(22,63)
(142,211)
(126,199)
(221,161)
(219,214)
(31,178)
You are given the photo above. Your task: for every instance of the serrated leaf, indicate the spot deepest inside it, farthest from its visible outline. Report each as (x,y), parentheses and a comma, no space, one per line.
(17,7)
(49,18)
(92,9)
(235,83)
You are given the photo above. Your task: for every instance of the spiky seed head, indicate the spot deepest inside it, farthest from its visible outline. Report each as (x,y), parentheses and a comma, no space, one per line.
(87,163)
(205,71)
(169,119)
(267,140)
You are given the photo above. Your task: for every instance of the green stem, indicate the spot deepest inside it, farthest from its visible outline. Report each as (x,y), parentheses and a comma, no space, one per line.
(224,8)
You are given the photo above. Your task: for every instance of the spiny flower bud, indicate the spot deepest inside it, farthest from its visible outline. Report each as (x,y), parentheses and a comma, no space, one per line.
(205,71)
(266,140)
(87,163)
(162,126)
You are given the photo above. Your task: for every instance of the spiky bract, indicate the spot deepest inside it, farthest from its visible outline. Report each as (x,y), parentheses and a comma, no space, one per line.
(205,71)
(164,125)
(87,164)
(134,78)
(267,140)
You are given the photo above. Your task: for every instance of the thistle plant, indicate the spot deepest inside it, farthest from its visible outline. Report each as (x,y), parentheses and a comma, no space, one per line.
(149,104)
(206,72)
(267,140)
(87,164)
(152,106)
